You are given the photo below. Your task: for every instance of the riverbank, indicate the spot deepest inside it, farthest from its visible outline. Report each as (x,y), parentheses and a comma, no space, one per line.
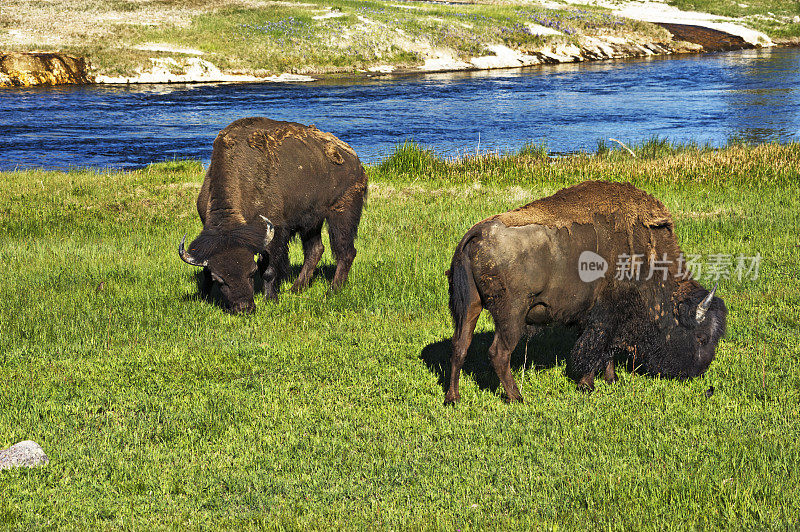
(256,40)
(324,411)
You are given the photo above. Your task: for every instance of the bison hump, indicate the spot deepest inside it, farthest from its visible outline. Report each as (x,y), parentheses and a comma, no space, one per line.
(269,140)
(621,203)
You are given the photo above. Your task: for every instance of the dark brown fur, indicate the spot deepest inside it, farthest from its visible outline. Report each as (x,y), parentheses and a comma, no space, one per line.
(296,176)
(522,266)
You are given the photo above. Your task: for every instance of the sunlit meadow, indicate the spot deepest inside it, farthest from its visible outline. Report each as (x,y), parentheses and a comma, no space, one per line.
(324,410)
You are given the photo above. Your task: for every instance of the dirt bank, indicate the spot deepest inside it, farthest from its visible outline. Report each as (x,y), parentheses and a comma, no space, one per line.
(18,69)
(710,39)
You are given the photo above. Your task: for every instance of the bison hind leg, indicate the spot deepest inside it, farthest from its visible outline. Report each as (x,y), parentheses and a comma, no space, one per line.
(506,338)
(462,338)
(342,229)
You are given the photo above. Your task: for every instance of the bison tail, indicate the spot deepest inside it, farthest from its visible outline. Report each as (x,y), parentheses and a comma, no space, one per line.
(461,282)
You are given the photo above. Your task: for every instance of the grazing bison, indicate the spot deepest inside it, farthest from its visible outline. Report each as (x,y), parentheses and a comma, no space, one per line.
(268,181)
(524,266)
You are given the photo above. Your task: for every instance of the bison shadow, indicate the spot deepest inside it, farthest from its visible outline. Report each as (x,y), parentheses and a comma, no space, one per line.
(213,296)
(544,350)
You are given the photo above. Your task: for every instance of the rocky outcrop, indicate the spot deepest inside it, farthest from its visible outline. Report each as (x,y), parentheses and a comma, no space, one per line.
(24,69)
(588,49)
(180,70)
(597,49)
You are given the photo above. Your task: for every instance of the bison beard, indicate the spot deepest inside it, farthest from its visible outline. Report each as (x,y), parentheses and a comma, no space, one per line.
(522,266)
(267,182)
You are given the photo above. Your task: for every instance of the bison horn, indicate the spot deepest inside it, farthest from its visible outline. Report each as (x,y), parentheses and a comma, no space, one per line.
(270,231)
(187,257)
(704,305)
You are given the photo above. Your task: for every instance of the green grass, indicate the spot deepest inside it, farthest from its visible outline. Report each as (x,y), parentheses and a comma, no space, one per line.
(325,410)
(774,17)
(735,8)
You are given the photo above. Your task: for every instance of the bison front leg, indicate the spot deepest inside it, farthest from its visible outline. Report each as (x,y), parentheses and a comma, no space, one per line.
(312,253)
(589,355)
(206,284)
(609,374)
(273,265)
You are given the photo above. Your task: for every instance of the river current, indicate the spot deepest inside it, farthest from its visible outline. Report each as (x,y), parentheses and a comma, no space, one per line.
(751,95)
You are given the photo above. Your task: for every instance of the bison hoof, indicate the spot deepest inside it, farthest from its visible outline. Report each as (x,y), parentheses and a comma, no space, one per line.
(514,399)
(585,387)
(337,285)
(271,296)
(451,399)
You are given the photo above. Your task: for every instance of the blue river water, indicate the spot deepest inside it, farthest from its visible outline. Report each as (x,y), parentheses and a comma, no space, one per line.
(751,95)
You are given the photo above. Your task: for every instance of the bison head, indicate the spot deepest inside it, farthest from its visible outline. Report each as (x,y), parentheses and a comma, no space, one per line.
(690,344)
(228,261)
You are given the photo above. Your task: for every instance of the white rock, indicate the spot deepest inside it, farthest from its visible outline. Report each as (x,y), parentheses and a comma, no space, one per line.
(24,454)
(444,62)
(170,70)
(564,53)
(504,57)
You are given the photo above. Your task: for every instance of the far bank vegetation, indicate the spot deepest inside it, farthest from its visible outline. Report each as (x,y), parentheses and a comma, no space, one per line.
(316,36)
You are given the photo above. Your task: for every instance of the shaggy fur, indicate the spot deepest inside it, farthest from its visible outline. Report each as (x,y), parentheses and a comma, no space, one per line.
(296,176)
(211,242)
(624,203)
(523,267)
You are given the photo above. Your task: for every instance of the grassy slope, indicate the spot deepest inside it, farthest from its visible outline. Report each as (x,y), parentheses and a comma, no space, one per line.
(773,17)
(271,38)
(285,37)
(160,411)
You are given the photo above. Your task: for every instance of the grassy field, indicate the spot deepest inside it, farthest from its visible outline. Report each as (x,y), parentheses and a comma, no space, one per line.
(158,410)
(777,18)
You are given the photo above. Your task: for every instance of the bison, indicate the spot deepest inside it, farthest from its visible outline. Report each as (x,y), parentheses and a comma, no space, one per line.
(267,182)
(523,266)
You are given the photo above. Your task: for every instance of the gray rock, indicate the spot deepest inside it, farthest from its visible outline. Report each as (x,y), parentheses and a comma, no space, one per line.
(24,454)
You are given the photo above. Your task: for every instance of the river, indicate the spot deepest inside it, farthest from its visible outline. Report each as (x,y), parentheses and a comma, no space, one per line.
(751,95)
